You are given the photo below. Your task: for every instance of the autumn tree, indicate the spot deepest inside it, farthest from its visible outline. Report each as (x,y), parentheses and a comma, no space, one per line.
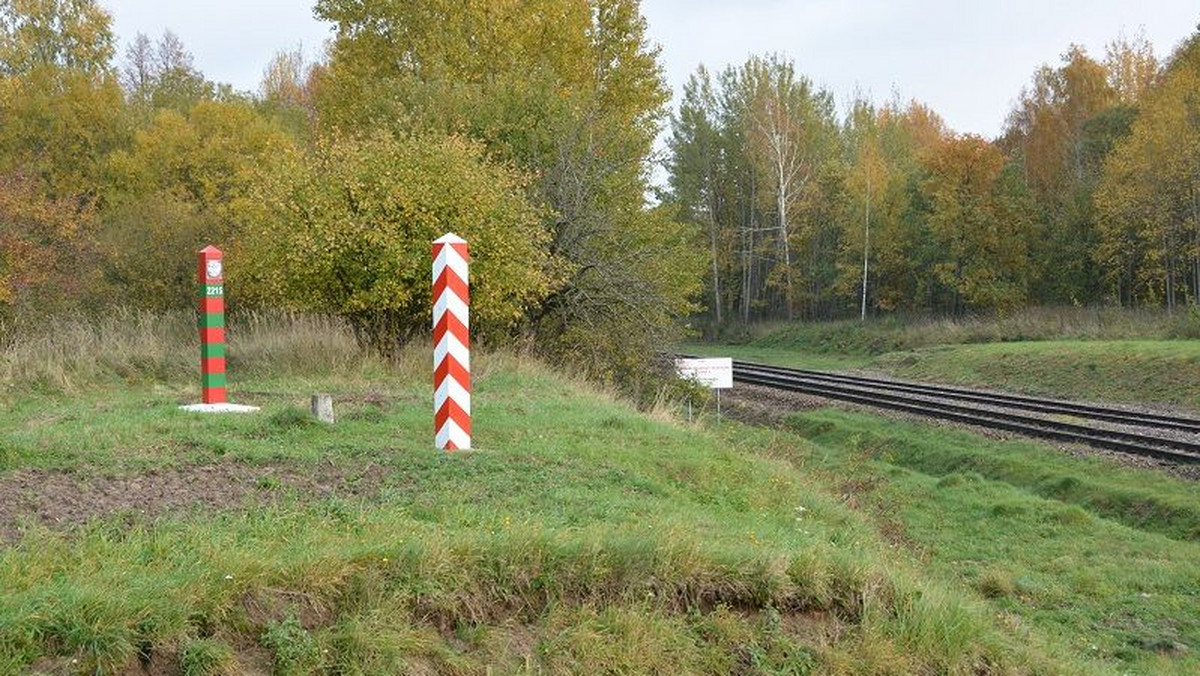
(883,225)
(59,99)
(67,34)
(1149,197)
(740,205)
(790,135)
(161,74)
(47,262)
(695,172)
(60,109)
(1061,128)
(570,92)
(1131,66)
(288,91)
(776,206)
(752,160)
(173,190)
(866,179)
(346,229)
(979,218)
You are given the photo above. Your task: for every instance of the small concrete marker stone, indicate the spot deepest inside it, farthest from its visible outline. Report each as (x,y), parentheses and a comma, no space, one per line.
(322,408)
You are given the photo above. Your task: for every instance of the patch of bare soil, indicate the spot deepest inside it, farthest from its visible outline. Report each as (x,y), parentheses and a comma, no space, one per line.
(759,405)
(250,659)
(61,500)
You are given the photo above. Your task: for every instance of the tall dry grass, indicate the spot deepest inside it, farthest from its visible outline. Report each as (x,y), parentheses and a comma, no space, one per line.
(70,354)
(876,336)
(1059,323)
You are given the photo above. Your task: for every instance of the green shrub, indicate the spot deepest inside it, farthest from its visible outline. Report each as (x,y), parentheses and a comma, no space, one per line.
(296,652)
(347,230)
(290,417)
(996,584)
(207,657)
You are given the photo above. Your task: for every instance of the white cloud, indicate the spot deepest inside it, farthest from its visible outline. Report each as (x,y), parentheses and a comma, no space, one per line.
(966,58)
(232,41)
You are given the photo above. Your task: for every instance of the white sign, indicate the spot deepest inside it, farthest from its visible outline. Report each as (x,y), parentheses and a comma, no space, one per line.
(213,269)
(716,373)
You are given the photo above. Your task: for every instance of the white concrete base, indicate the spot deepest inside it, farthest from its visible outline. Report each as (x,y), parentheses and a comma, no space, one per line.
(218,408)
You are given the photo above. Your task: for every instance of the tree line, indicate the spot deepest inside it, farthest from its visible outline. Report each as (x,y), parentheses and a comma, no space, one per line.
(1091,195)
(526,127)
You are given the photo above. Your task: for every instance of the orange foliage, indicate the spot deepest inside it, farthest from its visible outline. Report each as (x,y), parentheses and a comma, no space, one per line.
(46,260)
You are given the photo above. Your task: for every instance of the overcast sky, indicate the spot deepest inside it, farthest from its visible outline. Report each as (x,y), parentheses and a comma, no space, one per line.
(968,59)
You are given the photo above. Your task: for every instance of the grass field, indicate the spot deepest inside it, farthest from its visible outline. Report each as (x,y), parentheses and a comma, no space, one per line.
(582,536)
(1119,356)
(1103,559)
(1141,371)
(895,334)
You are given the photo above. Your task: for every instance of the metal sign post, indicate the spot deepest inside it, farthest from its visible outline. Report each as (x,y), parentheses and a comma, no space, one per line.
(715,373)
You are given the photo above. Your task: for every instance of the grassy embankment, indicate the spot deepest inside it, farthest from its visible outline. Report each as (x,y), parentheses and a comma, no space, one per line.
(1105,355)
(581,536)
(1104,560)
(1100,557)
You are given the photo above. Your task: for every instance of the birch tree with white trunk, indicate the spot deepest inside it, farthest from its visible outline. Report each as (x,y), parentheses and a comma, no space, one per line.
(786,135)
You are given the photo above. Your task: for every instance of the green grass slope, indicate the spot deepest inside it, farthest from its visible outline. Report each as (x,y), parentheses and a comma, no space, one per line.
(1104,559)
(580,537)
(1107,355)
(1163,372)
(895,334)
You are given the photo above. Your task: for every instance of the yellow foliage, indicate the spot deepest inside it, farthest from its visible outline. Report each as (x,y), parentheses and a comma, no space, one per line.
(348,229)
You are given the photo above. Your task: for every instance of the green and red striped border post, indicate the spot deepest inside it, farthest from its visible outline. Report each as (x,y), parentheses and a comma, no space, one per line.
(212,325)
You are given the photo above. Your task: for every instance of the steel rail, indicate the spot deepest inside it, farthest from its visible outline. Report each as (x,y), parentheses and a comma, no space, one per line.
(1174,450)
(1041,405)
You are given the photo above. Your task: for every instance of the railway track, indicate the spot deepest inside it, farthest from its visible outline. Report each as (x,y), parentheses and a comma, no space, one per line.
(1012,413)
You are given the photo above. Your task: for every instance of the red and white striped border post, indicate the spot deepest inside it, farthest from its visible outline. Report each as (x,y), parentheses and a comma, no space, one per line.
(451,339)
